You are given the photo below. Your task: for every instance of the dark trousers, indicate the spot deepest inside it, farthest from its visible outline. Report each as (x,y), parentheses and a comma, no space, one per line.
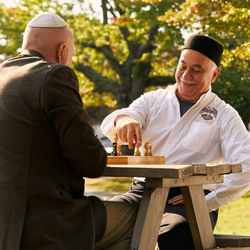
(174,232)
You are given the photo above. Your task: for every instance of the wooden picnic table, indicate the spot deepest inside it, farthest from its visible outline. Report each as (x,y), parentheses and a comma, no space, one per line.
(159,178)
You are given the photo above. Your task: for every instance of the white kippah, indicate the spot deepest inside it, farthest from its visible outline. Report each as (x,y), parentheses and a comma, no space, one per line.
(47,20)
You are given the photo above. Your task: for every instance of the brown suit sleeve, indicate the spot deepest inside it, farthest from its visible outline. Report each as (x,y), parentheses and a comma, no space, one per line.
(62,103)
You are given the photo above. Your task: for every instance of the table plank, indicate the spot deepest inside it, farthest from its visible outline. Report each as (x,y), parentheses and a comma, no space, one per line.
(188,181)
(153,171)
(236,168)
(225,168)
(170,170)
(215,169)
(199,168)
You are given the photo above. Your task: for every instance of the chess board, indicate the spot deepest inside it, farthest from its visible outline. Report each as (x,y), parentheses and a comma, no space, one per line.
(134,160)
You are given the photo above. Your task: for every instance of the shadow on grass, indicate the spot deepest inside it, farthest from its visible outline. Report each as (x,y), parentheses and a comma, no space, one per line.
(246,195)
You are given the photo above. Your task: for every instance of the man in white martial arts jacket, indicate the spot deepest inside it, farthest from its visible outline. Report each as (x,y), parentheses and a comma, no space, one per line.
(187,123)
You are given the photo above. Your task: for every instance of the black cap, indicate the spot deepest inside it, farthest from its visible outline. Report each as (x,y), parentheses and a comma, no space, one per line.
(205,45)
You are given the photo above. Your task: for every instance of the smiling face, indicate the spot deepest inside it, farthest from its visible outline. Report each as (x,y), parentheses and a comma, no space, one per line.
(194,75)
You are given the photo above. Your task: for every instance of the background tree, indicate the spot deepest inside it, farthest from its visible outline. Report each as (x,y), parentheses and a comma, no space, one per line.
(13,21)
(11,28)
(136,45)
(131,51)
(228,22)
(139,47)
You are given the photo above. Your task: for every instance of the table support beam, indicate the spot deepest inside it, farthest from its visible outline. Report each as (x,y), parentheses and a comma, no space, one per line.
(148,220)
(198,217)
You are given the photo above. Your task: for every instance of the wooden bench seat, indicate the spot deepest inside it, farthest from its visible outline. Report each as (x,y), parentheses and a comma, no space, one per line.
(232,242)
(232,248)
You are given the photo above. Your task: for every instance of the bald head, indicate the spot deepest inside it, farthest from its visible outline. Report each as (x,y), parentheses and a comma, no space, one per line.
(49,35)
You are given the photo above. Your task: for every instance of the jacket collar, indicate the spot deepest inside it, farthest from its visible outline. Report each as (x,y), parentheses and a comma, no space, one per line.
(30,52)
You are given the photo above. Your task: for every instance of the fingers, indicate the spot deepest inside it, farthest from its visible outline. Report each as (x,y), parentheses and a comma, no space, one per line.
(129,130)
(138,136)
(177,200)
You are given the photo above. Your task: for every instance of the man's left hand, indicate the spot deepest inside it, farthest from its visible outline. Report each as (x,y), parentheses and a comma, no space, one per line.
(177,200)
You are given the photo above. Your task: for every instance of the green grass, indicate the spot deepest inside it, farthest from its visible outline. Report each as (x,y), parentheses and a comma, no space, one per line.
(233,218)
(110,183)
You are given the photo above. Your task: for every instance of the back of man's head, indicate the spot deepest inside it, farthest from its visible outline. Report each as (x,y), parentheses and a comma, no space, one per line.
(48,34)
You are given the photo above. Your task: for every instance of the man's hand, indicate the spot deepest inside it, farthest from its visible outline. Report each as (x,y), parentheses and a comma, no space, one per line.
(128,130)
(177,200)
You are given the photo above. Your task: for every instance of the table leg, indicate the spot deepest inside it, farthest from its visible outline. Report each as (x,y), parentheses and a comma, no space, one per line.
(198,217)
(149,218)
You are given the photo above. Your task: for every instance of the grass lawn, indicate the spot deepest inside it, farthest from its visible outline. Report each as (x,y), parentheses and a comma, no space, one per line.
(233,218)
(109,183)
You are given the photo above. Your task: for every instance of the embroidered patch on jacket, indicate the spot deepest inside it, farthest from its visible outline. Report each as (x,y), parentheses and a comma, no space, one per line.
(208,113)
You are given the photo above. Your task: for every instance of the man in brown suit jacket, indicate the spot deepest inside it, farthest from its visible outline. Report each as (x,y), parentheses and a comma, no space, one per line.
(47,146)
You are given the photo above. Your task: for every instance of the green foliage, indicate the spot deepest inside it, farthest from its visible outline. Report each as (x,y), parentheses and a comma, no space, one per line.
(233,86)
(13,22)
(15,19)
(137,46)
(235,217)
(226,21)
(120,184)
(127,49)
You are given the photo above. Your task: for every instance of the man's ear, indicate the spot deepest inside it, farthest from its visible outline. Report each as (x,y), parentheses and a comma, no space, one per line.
(215,74)
(61,52)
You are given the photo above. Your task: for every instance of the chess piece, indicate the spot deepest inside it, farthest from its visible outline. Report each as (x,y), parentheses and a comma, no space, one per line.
(150,151)
(137,151)
(146,146)
(119,150)
(115,140)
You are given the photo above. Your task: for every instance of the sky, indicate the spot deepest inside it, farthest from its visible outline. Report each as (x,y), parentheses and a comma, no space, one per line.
(95,3)
(7,3)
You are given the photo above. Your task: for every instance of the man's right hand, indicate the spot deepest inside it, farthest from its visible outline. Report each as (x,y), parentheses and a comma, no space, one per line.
(128,130)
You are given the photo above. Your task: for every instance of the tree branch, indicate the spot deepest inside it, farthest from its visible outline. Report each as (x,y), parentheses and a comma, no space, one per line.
(119,9)
(104,12)
(102,83)
(132,45)
(160,81)
(108,53)
(148,47)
